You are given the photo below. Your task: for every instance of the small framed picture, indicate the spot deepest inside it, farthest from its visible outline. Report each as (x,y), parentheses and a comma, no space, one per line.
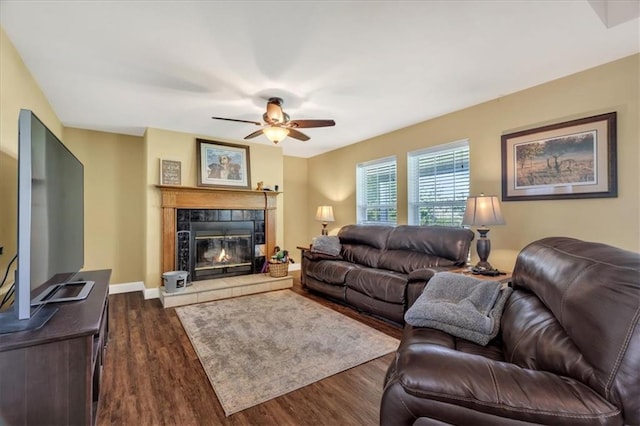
(223,164)
(574,159)
(170,172)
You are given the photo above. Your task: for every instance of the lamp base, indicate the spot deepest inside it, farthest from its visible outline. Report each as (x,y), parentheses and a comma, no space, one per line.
(324,229)
(483,247)
(483,266)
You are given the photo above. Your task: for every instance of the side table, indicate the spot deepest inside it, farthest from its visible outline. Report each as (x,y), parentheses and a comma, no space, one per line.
(504,279)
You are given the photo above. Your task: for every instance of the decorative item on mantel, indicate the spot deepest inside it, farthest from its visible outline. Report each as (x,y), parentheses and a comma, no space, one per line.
(170,172)
(324,214)
(260,186)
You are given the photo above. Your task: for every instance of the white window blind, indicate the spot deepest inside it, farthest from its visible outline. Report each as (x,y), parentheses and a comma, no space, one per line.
(376,187)
(438,184)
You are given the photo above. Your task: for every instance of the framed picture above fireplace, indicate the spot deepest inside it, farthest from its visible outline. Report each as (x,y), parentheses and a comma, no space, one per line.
(223,165)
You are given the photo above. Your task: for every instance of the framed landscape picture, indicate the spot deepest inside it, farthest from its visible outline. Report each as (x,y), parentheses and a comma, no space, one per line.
(574,159)
(223,164)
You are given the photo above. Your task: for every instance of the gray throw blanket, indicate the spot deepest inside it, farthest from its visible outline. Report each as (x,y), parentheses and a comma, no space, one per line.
(326,244)
(462,306)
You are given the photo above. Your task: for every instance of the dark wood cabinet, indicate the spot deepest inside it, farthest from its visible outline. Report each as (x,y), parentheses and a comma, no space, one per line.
(52,375)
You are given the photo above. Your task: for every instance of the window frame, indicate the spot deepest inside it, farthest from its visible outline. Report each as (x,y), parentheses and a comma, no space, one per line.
(458,202)
(363,204)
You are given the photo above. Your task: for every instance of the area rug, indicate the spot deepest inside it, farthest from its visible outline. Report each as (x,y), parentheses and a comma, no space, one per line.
(256,348)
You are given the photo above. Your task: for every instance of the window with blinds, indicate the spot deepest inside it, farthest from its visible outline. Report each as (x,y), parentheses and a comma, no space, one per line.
(376,187)
(438,184)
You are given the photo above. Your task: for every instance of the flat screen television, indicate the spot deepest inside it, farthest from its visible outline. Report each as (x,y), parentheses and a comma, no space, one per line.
(50,227)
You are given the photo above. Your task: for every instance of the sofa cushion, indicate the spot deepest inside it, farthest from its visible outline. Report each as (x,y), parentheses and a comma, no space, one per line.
(442,241)
(368,235)
(378,284)
(363,244)
(335,291)
(406,261)
(387,310)
(330,271)
(428,336)
(361,254)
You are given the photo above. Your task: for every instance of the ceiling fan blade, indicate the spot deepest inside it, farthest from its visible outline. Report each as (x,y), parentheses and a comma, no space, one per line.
(311,123)
(254,134)
(239,121)
(297,135)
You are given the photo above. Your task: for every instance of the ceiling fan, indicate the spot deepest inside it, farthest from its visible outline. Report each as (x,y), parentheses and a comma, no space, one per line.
(278,125)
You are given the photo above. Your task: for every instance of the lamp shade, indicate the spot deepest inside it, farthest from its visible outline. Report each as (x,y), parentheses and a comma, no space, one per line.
(324,214)
(483,211)
(275,134)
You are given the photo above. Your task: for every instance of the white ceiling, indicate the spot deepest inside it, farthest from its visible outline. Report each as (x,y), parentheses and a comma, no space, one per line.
(372,66)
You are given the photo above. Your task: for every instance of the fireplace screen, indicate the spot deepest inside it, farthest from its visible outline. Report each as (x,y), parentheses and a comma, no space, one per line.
(222,252)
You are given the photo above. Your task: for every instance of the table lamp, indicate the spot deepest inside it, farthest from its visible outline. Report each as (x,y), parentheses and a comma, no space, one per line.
(324,214)
(483,211)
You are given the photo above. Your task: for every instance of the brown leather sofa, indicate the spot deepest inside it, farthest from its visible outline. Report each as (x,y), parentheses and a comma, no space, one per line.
(568,352)
(382,269)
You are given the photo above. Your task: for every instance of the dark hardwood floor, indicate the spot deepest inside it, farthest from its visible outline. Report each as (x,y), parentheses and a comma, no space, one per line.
(152,376)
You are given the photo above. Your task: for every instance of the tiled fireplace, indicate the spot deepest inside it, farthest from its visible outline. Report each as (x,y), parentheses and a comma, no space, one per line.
(199,223)
(216,243)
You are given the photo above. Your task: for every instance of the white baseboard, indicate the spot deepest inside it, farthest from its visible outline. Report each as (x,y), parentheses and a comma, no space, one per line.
(148,293)
(151,293)
(126,287)
(294,267)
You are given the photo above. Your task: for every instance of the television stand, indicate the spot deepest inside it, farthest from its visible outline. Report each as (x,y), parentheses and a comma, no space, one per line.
(10,324)
(52,375)
(65,292)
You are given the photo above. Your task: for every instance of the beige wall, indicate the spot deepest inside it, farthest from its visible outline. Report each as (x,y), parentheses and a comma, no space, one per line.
(18,90)
(113,201)
(296,205)
(113,178)
(266,165)
(616,221)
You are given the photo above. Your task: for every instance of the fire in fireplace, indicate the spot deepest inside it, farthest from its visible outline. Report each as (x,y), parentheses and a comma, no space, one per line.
(221,249)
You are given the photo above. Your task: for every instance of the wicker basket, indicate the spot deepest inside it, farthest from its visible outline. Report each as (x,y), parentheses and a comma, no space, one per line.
(277,269)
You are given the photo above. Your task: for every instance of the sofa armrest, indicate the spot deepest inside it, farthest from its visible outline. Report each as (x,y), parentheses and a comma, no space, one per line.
(422,274)
(311,255)
(417,281)
(427,376)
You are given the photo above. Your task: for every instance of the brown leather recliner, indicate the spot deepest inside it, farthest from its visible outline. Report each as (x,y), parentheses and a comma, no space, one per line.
(568,352)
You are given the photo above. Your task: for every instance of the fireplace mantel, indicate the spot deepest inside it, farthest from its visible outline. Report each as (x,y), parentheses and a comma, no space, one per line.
(186,197)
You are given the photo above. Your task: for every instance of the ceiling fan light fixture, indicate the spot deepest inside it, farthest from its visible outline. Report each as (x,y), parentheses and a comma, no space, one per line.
(274,111)
(275,134)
